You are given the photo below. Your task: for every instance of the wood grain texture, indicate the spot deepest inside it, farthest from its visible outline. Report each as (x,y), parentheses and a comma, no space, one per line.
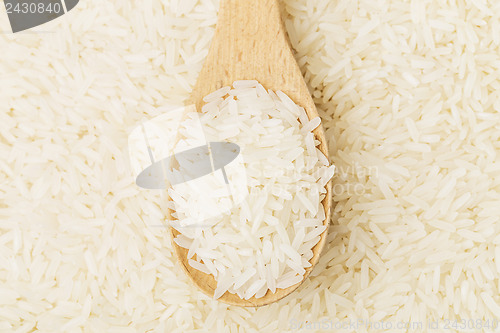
(250,43)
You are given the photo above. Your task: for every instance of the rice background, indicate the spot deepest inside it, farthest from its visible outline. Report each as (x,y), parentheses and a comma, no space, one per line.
(409,93)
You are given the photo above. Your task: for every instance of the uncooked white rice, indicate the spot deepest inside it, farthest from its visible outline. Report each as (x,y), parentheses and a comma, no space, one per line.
(286,185)
(70,97)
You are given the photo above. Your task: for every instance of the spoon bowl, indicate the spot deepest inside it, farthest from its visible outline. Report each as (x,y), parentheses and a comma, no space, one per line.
(251,43)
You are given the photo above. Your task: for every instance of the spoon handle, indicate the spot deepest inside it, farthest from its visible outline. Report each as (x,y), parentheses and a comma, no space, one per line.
(251,25)
(250,28)
(250,43)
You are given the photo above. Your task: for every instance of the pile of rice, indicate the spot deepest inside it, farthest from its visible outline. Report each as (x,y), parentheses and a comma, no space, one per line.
(273,216)
(409,96)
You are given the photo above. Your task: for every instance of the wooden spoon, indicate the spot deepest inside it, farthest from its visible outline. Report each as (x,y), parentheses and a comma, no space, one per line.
(250,43)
